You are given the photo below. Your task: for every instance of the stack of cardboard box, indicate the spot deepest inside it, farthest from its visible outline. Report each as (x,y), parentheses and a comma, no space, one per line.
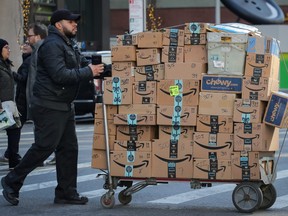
(188,104)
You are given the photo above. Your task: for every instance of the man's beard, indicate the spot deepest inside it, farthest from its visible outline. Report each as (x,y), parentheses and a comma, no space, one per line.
(68,34)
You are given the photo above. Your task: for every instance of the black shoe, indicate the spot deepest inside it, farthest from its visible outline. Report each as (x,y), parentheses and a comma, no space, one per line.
(9,194)
(76,200)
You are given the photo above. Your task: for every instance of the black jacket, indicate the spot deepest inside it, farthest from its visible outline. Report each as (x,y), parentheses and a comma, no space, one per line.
(58,72)
(6,82)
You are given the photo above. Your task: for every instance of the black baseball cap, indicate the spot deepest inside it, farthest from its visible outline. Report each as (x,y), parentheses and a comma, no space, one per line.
(63,14)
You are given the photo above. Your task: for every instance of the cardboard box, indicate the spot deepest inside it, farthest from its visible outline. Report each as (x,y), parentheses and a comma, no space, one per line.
(144,92)
(149,72)
(99,159)
(195,53)
(99,142)
(185,70)
(226,53)
(117,91)
(258,88)
(131,145)
(195,39)
(276,113)
(172,54)
(110,111)
(214,123)
(126,40)
(255,137)
(196,27)
(136,132)
(149,39)
(173,37)
(148,56)
(99,126)
(123,53)
(176,92)
(262,45)
(220,83)
(172,159)
(262,65)
(212,169)
(176,132)
(130,164)
(216,103)
(216,145)
(123,69)
(176,115)
(249,111)
(134,119)
(138,109)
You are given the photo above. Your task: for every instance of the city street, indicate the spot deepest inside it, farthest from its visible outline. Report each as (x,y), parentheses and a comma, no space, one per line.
(174,198)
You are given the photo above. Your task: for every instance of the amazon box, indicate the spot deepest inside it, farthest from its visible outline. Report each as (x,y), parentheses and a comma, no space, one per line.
(172,159)
(176,115)
(136,132)
(174,92)
(144,92)
(212,145)
(195,39)
(258,88)
(123,53)
(214,123)
(173,37)
(249,111)
(263,45)
(176,132)
(211,103)
(196,27)
(262,65)
(134,119)
(110,111)
(126,40)
(172,54)
(148,56)
(117,91)
(149,72)
(255,137)
(131,145)
(195,53)
(149,39)
(212,169)
(138,109)
(99,126)
(99,159)
(219,83)
(185,70)
(123,69)
(277,112)
(99,141)
(130,164)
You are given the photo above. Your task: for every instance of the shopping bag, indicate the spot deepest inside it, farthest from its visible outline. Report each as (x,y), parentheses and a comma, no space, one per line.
(6,120)
(12,111)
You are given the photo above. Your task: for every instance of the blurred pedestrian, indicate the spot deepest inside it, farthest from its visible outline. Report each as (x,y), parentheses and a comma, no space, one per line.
(56,86)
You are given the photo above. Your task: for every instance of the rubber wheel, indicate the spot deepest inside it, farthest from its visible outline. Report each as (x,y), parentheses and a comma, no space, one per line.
(124,199)
(107,201)
(269,196)
(247,197)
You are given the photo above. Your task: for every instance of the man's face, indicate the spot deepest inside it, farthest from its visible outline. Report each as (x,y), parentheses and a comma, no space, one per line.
(69,28)
(31,37)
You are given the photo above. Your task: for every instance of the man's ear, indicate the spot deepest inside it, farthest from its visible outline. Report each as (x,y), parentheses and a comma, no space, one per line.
(58,25)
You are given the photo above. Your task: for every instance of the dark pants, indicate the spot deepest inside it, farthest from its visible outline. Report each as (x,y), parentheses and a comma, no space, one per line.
(13,146)
(54,131)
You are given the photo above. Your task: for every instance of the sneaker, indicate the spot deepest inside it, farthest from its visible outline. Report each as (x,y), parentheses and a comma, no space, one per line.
(52,161)
(75,200)
(3,160)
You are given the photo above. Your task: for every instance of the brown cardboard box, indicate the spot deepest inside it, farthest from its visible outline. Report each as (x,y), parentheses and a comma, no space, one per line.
(149,72)
(135,119)
(129,145)
(172,54)
(110,111)
(255,137)
(138,109)
(126,40)
(172,159)
(207,145)
(123,69)
(263,45)
(258,88)
(144,92)
(221,83)
(99,159)
(212,169)
(130,164)
(173,37)
(185,70)
(99,126)
(149,39)
(136,132)
(182,116)
(148,56)
(123,53)
(195,53)
(187,92)
(117,91)
(249,111)
(214,123)
(195,39)
(258,65)
(196,27)
(99,142)
(176,132)
(216,103)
